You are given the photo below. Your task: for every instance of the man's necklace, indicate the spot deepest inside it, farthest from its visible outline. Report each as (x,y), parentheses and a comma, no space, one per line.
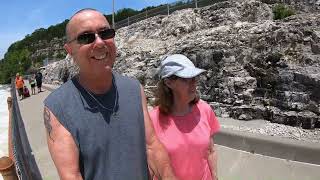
(113,110)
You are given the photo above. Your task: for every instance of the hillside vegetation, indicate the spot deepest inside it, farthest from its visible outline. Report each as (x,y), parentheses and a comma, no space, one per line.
(24,57)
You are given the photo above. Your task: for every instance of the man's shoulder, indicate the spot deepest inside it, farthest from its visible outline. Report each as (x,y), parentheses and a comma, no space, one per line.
(126,81)
(125,78)
(61,93)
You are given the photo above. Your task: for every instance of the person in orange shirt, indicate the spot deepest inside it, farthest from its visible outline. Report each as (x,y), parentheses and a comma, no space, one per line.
(19,85)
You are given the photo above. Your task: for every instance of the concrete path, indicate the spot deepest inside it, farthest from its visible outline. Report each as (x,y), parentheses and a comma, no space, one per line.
(233,164)
(31,109)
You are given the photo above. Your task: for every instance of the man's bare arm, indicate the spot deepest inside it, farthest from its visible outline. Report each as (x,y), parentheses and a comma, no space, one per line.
(158,158)
(213,159)
(64,152)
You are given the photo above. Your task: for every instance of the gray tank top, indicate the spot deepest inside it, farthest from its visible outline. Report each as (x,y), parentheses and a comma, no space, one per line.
(109,149)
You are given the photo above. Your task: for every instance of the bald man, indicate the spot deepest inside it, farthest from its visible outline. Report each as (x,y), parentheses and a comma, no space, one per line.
(98,126)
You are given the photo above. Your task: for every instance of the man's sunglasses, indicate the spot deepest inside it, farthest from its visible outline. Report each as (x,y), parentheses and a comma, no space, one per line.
(90,37)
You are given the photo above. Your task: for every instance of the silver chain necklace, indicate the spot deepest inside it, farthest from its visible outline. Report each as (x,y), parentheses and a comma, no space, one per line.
(113,110)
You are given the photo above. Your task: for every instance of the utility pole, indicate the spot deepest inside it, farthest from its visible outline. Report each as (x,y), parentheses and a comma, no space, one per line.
(113,26)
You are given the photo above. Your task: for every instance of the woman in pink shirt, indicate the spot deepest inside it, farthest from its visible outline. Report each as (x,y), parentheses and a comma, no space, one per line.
(184,123)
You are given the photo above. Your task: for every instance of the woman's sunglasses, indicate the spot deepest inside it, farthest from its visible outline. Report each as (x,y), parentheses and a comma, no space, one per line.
(90,37)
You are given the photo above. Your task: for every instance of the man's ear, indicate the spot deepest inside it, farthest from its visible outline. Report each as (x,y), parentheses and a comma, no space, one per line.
(68,48)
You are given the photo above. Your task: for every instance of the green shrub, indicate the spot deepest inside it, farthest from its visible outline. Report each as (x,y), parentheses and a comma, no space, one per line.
(281,11)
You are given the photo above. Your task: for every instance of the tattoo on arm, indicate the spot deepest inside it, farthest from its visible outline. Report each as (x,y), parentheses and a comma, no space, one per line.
(46,117)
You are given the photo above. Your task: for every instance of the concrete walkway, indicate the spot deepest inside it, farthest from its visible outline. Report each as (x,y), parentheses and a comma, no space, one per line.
(31,109)
(233,163)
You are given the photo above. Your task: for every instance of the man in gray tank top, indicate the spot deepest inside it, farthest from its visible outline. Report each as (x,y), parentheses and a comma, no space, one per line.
(98,126)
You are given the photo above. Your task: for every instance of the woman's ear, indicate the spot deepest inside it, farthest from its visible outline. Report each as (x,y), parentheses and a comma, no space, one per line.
(168,83)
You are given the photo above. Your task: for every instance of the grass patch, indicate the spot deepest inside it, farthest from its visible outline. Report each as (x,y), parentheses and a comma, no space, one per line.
(281,11)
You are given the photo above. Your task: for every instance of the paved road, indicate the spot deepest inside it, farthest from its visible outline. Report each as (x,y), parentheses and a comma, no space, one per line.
(232,164)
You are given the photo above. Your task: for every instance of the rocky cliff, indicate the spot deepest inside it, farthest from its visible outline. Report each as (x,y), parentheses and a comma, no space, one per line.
(48,49)
(257,68)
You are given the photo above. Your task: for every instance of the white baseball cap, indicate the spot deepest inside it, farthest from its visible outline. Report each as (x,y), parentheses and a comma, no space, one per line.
(178,65)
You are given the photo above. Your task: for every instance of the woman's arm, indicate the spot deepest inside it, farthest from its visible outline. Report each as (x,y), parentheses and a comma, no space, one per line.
(213,159)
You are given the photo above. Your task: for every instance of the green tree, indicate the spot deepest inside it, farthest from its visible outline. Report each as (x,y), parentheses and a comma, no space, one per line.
(125,13)
(18,56)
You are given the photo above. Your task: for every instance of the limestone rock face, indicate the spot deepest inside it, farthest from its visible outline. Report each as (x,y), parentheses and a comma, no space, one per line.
(257,68)
(57,71)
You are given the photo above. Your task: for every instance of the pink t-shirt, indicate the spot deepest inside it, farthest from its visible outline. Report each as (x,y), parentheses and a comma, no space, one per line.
(187,140)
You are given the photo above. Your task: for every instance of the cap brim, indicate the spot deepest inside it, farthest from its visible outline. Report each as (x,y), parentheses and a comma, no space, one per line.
(189,72)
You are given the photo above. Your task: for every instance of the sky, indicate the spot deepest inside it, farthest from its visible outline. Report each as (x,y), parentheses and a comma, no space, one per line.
(22,17)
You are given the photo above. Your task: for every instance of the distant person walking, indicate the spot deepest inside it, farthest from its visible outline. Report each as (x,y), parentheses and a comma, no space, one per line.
(32,82)
(39,81)
(19,85)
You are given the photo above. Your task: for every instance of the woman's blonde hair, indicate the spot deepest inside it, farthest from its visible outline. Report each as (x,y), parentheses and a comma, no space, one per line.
(164,96)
